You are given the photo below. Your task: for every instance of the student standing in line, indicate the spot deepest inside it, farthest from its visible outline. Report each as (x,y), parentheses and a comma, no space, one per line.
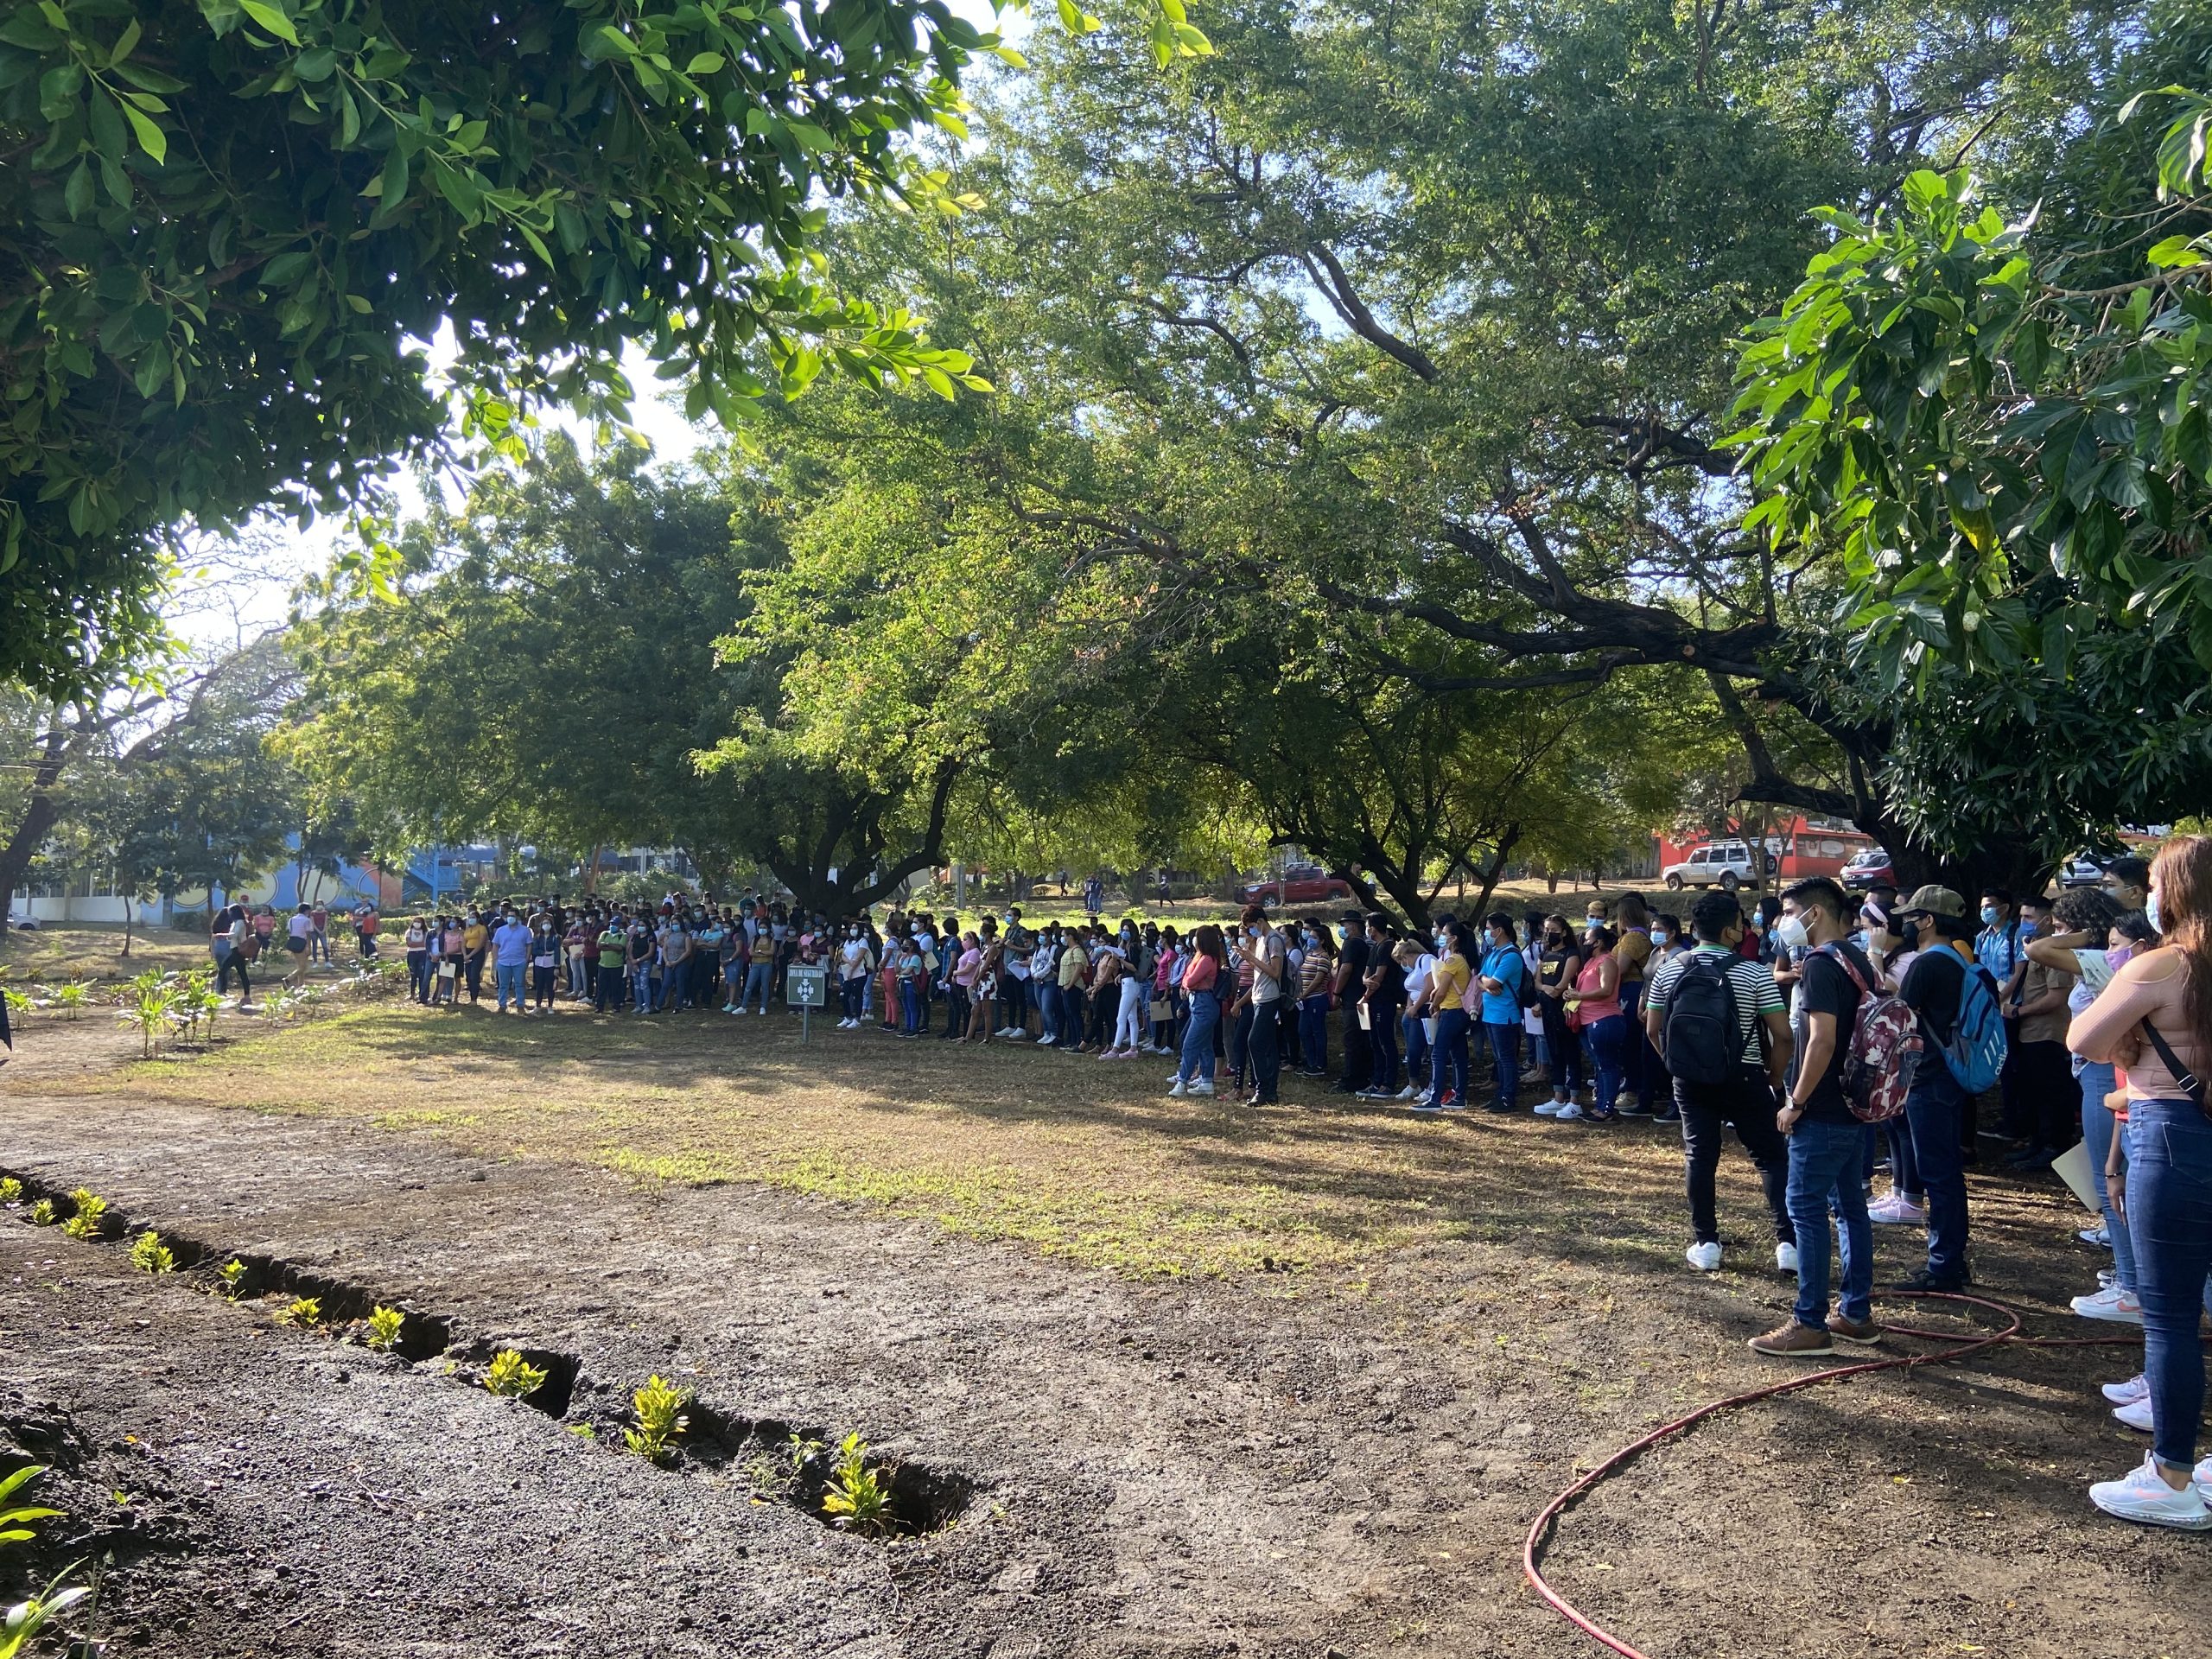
(1826,1141)
(1722,1029)
(1501,980)
(2155,1022)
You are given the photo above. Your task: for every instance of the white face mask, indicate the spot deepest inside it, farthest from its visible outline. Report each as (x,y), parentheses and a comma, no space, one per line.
(1791,931)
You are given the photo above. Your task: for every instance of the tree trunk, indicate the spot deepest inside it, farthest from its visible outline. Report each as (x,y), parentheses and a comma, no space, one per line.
(30,835)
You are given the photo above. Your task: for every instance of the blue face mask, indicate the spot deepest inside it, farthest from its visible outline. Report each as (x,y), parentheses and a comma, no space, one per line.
(2151,912)
(1989,915)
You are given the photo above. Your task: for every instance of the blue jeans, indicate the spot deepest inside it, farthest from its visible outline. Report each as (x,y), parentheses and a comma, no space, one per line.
(2097,1126)
(1825,1160)
(1198,1040)
(757,980)
(1417,1037)
(1608,1040)
(1313,1032)
(1048,1012)
(641,991)
(1935,1109)
(508,977)
(1505,1061)
(910,1006)
(2170,1213)
(1448,1057)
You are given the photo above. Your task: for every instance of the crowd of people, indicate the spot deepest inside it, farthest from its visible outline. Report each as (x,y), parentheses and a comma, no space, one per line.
(1835,1036)
(241,935)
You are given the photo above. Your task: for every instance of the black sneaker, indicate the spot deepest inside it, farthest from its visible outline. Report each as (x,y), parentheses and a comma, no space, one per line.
(1925,1282)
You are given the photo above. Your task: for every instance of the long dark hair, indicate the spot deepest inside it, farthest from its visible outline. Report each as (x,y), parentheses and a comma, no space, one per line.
(1207,941)
(2183,874)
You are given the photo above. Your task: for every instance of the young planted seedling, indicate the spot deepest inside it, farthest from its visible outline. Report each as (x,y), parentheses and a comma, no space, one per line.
(73,998)
(233,1273)
(660,1419)
(11,1189)
(150,1254)
(42,1213)
(858,1498)
(779,1476)
(510,1376)
(151,1006)
(20,1624)
(384,1328)
(301,1311)
(91,1214)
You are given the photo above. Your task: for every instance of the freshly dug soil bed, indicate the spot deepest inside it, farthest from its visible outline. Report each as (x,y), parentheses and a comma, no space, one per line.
(1253,1466)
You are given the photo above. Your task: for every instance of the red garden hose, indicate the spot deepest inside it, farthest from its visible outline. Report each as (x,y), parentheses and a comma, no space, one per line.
(1540,1532)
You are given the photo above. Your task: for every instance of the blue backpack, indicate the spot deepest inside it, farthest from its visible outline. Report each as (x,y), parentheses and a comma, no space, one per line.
(1975,1053)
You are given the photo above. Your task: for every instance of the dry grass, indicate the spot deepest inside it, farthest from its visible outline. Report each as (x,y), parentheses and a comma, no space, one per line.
(50,954)
(1081,1159)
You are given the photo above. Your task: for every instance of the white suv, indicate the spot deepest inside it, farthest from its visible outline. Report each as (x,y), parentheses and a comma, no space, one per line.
(1723,864)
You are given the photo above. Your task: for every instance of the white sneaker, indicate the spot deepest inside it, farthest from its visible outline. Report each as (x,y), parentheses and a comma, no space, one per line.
(1567,1113)
(2136,1387)
(2113,1304)
(1411,1091)
(1019,1035)
(2099,1236)
(1202,1089)
(1548,1107)
(1706,1258)
(2143,1495)
(1177,1090)
(2136,1414)
(2203,1474)
(1785,1258)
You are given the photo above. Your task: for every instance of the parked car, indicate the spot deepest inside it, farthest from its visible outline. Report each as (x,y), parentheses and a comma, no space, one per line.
(1724,864)
(2081,871)
(1300,884)
(1870,867)
(22,924)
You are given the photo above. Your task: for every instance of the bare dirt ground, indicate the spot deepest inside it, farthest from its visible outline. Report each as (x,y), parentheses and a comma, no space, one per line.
(1157,1377)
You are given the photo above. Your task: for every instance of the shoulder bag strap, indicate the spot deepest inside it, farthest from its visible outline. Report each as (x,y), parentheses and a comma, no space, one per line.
(2190,1084)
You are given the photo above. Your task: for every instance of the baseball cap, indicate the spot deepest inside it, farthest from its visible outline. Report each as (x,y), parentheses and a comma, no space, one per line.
(1932,900)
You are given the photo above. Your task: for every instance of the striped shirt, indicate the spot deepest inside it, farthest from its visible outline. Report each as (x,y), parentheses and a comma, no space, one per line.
(1756,992)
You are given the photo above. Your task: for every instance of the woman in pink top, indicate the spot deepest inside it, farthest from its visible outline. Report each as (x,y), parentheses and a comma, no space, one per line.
(2156,1019)
(1597,1015)
(1202,981)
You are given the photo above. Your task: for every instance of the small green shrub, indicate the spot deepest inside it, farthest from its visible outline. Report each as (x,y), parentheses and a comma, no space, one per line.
(778,1474)
(20,1624)
(42,1213)
(858,1498)
(74,998)
(660,1419)
(150,1254)
(233,1273)
(11,1189)
(510,1376)
(384,1328)
(91,1214)
(301,1311)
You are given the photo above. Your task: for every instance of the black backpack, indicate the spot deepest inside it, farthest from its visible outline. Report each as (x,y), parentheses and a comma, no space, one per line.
(1704,1044)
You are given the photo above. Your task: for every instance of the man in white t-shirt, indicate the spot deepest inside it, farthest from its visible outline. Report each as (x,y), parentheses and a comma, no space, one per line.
(1270,964)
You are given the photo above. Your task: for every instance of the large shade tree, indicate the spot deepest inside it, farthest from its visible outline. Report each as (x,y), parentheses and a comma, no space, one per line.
(1423,327)
(226,226)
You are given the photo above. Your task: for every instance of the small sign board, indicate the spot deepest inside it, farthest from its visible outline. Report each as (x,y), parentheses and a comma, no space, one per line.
(807,987)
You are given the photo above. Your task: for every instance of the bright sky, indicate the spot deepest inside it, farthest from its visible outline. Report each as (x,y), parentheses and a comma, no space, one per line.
(247,586)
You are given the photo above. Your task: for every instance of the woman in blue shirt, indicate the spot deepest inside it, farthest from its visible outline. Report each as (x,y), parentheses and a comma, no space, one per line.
(1502,974)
